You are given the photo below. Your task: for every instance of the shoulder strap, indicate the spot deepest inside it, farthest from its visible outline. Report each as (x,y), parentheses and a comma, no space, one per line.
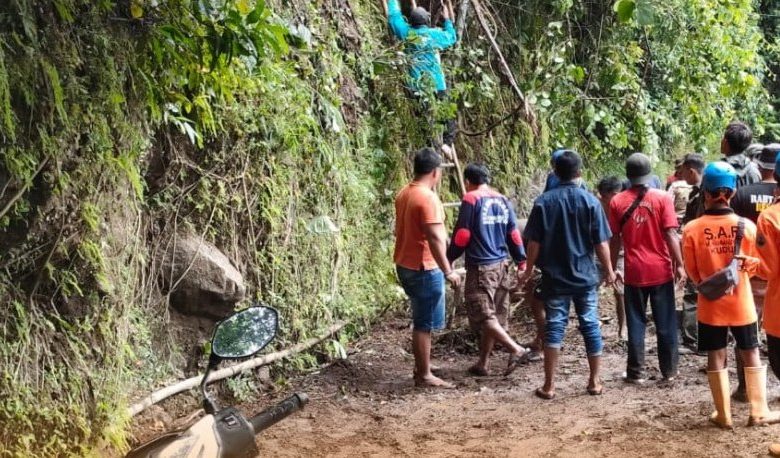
(740,234)
(634,205)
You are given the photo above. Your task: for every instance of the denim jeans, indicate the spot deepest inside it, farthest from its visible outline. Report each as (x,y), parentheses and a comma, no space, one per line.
(665,317)
(425,289)
(586,305)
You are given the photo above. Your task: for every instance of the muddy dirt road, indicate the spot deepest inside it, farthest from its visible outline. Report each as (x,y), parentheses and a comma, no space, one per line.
(366,406)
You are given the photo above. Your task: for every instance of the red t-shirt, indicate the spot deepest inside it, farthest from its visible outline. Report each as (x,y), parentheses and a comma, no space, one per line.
(648,262)
(415,206)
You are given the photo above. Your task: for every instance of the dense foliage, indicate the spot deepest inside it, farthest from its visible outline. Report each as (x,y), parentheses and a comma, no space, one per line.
(281,138)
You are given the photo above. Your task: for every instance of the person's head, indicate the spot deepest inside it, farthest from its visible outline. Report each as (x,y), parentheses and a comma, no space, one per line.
(765,160)
(736,138)
(692,168)
(678,167)
(608,187)
(555,155)
(638,170)
(475,175)
(567,165)
(753,150)
(719,182)
(426,164)
(419,17)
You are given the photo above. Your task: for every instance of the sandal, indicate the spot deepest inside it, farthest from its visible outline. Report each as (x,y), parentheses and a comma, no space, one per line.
(544,395)
(515,361)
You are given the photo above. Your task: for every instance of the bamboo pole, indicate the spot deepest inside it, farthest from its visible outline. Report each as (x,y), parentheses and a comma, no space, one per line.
(193,382)
(528,113)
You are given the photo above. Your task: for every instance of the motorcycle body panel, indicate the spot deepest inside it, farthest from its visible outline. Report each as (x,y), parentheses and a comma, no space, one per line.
(224,435)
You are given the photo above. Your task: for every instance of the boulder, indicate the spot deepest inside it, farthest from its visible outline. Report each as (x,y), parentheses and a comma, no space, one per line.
(201,280)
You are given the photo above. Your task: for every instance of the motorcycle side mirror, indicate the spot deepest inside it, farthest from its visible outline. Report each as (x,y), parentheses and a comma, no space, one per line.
(240,335)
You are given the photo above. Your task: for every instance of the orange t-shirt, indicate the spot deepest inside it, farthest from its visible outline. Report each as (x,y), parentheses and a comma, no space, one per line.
(768,243)
(708,246)
(415,206)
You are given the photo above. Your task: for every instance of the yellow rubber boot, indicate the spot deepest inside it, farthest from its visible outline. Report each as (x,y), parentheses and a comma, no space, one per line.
(721,396)
(755,382)
(774,450)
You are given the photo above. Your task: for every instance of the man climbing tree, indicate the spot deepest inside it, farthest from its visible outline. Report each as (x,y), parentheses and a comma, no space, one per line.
(422,44)
(487,232)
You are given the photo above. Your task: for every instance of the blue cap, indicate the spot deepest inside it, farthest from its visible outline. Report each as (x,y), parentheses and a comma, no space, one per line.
(719,175)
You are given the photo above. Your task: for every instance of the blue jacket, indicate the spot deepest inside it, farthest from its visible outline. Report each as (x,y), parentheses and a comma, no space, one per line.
(422,45)
(486,230)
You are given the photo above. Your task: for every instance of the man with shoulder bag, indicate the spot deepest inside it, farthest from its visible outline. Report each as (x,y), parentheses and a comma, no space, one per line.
(720,257)
(643,220)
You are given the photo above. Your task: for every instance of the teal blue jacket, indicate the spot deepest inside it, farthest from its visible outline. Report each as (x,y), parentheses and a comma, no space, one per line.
(422,45)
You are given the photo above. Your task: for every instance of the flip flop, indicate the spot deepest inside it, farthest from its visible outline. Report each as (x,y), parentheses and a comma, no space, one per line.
(544,395)
(515,361)
(477,371)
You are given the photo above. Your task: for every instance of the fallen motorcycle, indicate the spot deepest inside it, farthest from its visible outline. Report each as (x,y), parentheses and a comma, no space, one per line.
(226,433)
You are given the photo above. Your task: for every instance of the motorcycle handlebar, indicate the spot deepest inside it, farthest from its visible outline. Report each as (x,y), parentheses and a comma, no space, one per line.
(273,415)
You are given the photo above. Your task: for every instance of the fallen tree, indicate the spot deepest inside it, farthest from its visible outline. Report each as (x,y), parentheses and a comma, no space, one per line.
(192,382)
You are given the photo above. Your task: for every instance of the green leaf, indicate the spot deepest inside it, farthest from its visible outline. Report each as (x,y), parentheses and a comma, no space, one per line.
(645,13)
(624,9)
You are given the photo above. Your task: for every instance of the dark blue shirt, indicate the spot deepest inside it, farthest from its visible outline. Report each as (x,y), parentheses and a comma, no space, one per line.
(486,230)
(567,222)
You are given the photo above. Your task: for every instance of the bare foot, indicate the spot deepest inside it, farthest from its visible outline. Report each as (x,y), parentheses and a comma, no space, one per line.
(595,388)
(478,371)
(431,381)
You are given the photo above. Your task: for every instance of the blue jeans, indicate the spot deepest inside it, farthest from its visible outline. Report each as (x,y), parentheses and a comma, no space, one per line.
(586,304)
(425,289)
(661,299)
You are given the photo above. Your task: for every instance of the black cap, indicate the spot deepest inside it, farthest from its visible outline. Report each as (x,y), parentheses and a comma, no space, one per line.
(638,169)
(766,159)
(419,17)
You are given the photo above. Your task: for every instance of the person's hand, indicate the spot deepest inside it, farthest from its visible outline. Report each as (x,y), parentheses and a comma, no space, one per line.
(445,12)
(453,278)
(680,275)
(747,263)
(610,278)
(523,276)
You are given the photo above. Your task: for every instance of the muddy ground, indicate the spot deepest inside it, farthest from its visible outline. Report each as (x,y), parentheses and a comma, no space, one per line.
(367,406)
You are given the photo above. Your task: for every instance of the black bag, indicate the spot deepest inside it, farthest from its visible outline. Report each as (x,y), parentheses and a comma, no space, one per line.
(726,279)
(633,206)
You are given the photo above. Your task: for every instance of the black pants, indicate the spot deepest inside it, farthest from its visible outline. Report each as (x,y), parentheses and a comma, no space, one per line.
(661,300)
(424,110)
(773,345)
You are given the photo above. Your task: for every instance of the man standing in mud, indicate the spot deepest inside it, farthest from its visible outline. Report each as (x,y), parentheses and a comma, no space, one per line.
(712,243)
(421,259)
(564,229)
(644,222)
(749,201)
(487,232)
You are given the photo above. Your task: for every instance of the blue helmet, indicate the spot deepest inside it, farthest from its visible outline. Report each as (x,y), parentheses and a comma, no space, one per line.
(719,175)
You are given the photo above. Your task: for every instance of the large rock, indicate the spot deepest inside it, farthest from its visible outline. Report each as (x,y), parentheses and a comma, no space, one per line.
(202,281)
